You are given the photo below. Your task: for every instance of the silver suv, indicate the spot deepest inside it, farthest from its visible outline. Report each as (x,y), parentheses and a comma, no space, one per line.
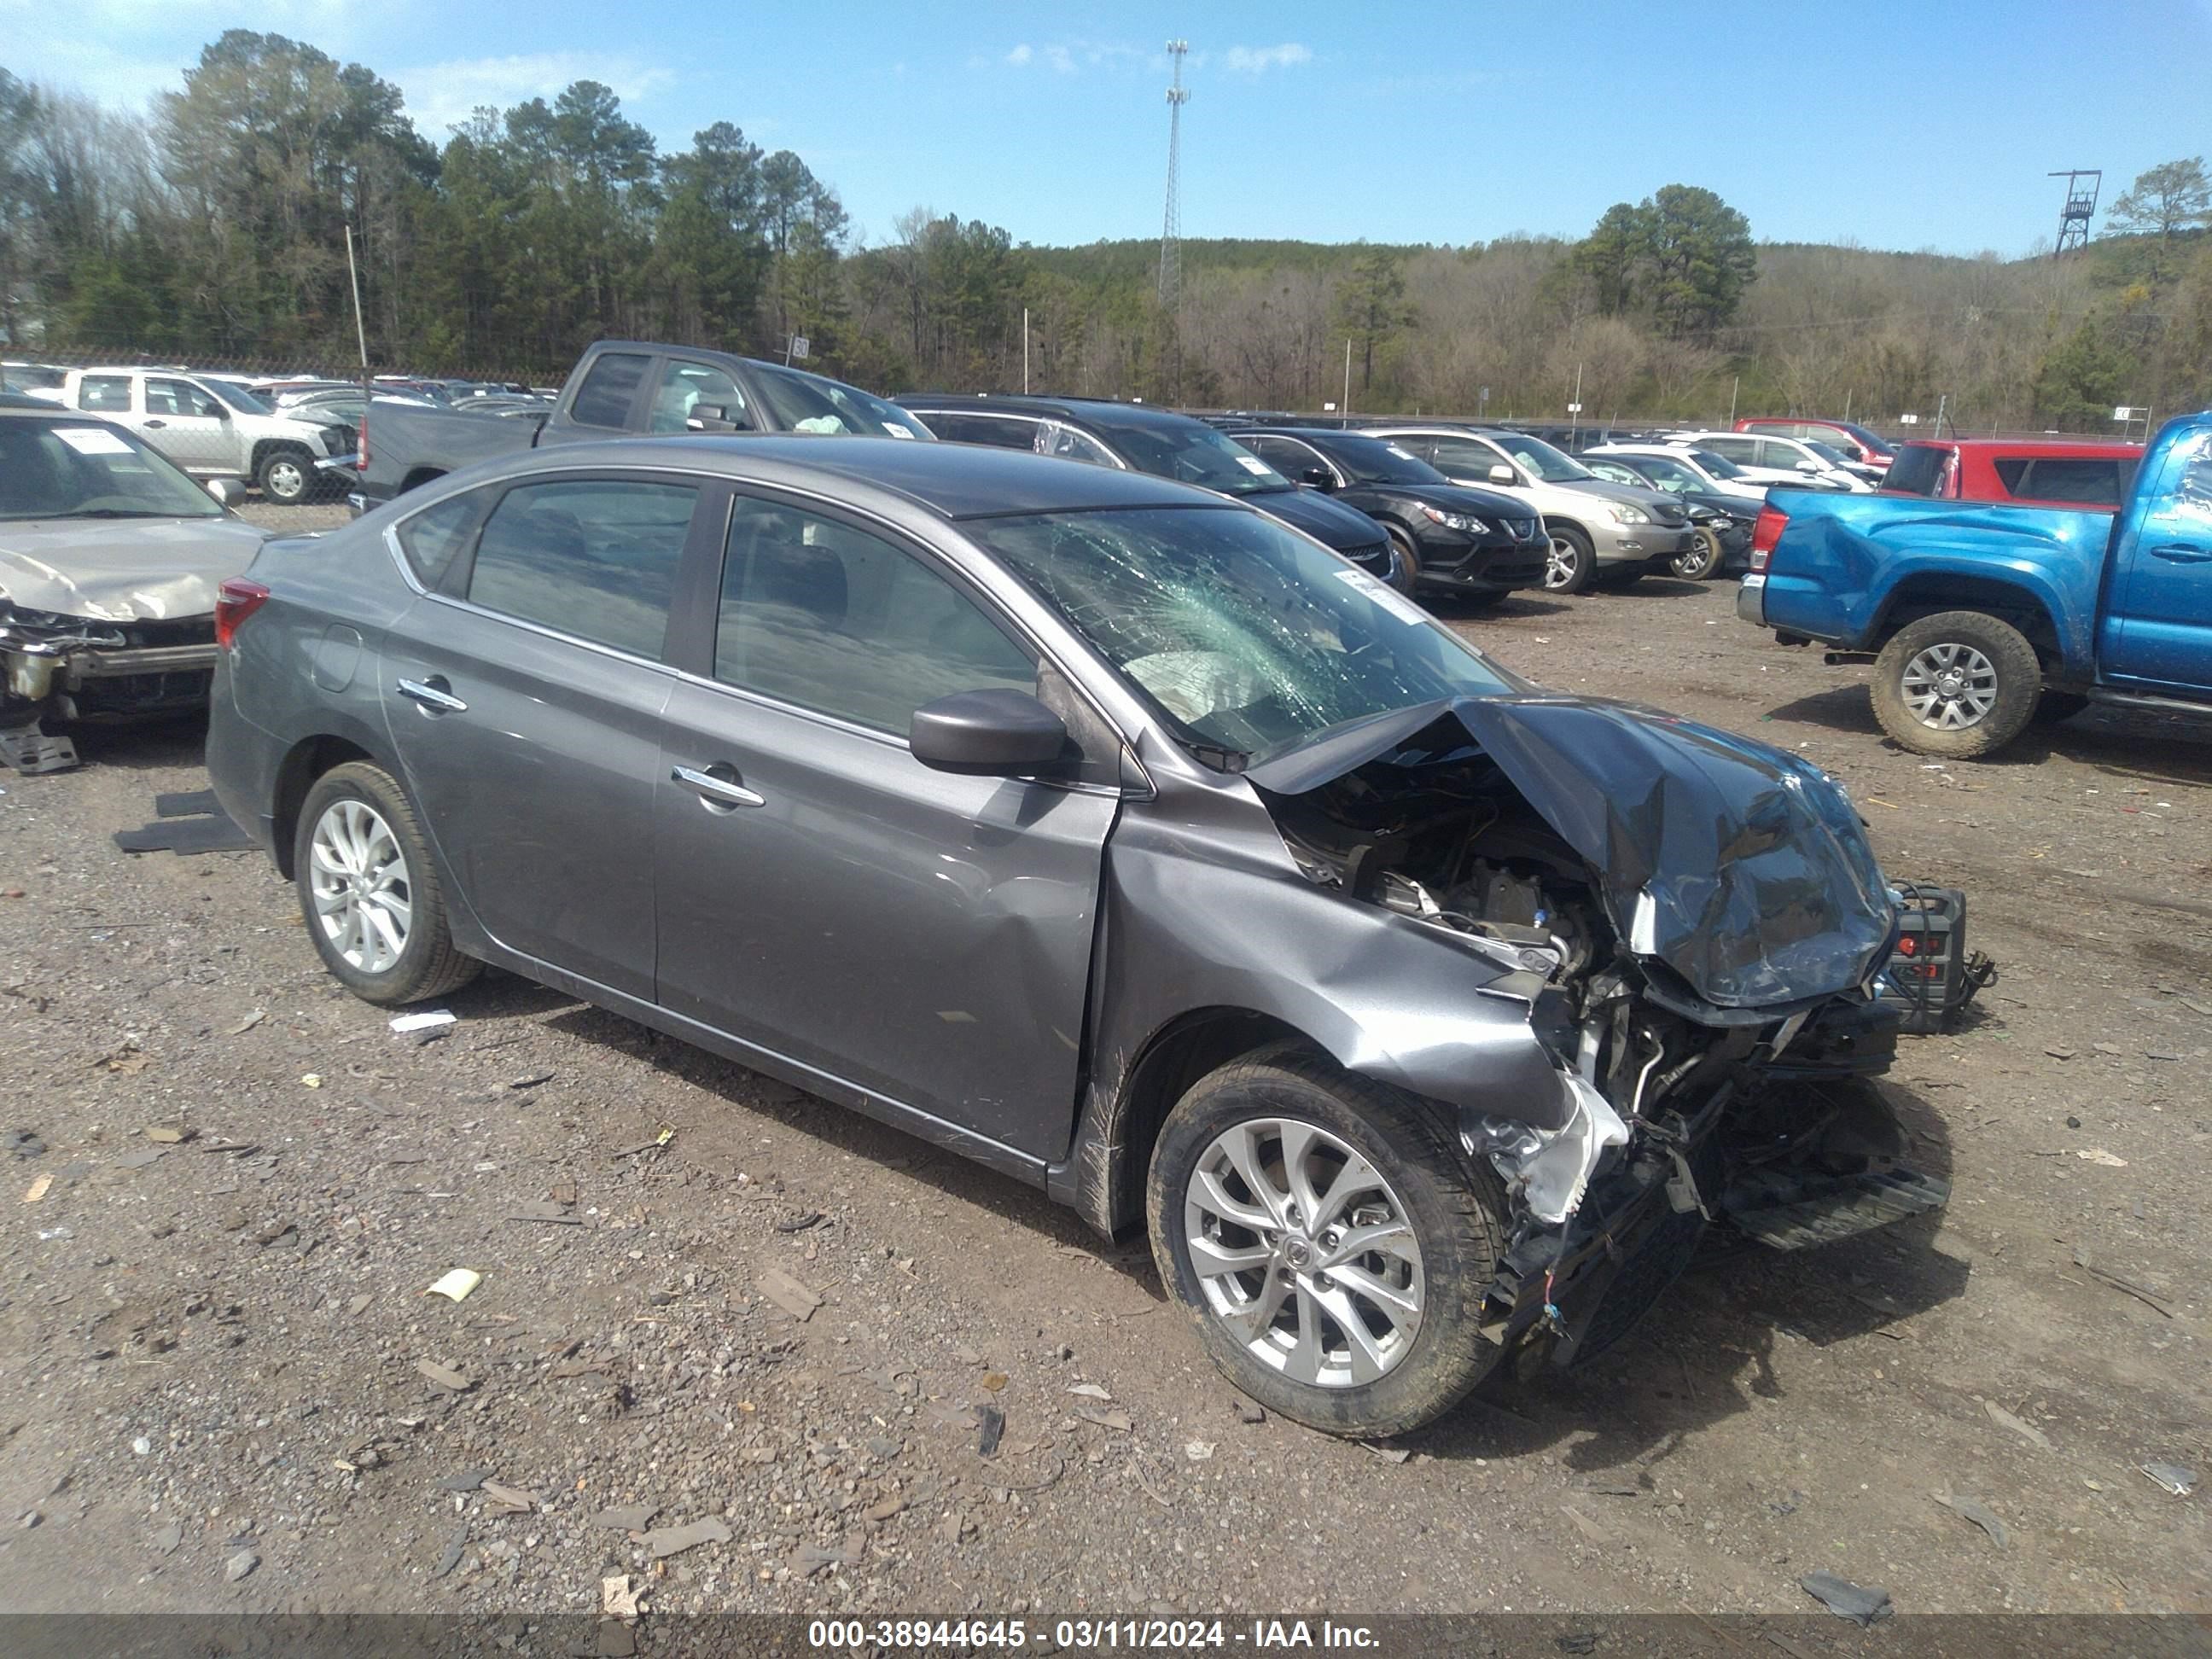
(212,428)
(1601,533)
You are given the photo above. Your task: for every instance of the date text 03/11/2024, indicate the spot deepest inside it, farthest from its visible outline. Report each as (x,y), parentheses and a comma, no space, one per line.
(1083,1635)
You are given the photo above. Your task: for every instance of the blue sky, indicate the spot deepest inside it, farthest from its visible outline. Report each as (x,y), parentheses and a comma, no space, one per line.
(1928,124)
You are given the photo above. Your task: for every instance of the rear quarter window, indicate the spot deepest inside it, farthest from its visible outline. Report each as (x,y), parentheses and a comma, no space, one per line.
(1917,471)
(2089,480)
(609,388)
(432,538)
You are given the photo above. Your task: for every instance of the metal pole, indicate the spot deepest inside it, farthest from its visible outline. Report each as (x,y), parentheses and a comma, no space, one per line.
(1025,351)
(1942,398)
(360,329)
(1734,386)
(1343,409)
(1847,403)
(1575,414)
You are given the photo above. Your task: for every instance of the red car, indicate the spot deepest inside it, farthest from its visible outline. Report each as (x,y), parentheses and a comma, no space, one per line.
(2048,472)
(1856,441)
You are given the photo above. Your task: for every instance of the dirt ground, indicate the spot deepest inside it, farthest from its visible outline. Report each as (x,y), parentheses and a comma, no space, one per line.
(213,1384)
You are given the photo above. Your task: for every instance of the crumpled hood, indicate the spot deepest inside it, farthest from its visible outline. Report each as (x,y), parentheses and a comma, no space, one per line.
(123,569)
(1741,866)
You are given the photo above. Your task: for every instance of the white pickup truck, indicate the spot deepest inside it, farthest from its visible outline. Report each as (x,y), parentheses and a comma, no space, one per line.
(211,428)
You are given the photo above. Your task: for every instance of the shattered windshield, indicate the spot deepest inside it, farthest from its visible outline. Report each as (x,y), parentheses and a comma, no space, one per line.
(1249,638)
(89,470)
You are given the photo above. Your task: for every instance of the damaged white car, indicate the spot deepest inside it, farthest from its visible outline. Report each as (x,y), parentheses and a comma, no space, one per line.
(109,559)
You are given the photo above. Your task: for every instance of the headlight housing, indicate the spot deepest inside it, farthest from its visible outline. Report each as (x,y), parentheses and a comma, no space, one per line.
(1460,521)
(1624,513)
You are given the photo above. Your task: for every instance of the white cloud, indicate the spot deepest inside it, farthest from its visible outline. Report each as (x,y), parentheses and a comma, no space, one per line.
(1060,58)
(1257,60)
(1019,56)
(442,96)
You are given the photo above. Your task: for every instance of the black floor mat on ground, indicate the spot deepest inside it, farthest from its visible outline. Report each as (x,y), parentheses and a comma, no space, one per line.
(210,833)
(191,803)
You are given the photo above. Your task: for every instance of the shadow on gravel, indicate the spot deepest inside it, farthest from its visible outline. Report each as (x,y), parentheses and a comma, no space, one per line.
(140,745)
(1707,1347)
(1450,608)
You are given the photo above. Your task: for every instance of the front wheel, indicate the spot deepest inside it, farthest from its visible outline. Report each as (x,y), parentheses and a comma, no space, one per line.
(1572,565)
(369,893)
(1959,683)
(1409,561)
(1700,561)
(286,476)
(1328,1241)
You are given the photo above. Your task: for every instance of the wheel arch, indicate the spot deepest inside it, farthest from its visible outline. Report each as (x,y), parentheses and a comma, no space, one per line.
(264,447)
(419,476)
(1930,593)
(305,762)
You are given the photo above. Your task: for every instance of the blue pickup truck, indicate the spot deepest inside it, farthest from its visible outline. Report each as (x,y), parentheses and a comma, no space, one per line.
(1980,619)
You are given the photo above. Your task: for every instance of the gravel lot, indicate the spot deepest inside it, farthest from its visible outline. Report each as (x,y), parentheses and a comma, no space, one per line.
(216,1358)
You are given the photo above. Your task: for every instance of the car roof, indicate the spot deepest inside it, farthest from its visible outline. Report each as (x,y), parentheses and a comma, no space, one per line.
(1098,411)
(2096,449)
(953,480)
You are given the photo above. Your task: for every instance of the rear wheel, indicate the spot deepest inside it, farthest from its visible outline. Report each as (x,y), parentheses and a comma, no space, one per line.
(369,892)
(1328,1241)
(1959,683)
(1696,562)
(1572,565)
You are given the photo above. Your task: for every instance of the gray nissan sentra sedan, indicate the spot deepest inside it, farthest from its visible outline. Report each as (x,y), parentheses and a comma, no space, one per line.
(1113,834)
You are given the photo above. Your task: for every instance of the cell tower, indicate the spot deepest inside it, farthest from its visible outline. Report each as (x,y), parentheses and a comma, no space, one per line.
(1171,227)
(2080,207)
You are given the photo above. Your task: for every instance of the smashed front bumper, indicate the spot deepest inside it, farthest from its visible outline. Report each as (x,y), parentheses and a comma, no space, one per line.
(71,669)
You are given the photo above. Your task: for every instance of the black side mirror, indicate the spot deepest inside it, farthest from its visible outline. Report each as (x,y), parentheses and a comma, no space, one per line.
(1319,477)
(995,733)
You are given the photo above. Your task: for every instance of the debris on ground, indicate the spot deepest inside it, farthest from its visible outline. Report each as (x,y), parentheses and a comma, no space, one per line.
(435,1019)
(1198,1451)
(1120,1422)
(637,1518)
(1247,1412)
(787,1293)
(169,1134)
(38,1189)
(1091,1391)
(450,1381)
(24,1142)
(466,1480)
(2124,1286)
(664,1541)
(1971,1509)
(530,1081)
(2098,1155)
(456,1285)
(2026,1430)
(618,1596)
(170,1539)
(451,1557)
(2173,1477)
(512,1500)
(1862,1605)
(551,1211)
(990,1424)
(248,1023)
(240,1566)
(1388,1453)
(800,1222)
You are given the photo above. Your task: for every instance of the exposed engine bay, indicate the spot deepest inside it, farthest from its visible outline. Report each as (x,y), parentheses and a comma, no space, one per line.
(76,668)
(1683,1110)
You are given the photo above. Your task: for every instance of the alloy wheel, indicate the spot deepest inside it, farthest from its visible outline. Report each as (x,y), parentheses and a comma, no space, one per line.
(358,878)
(1560,564)
(1950,687)
(1304,1253)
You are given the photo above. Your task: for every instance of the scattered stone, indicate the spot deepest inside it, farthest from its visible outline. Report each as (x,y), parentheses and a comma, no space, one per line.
(248,1023)
(38,1189)
(1120,1422)
(240,1566)
(2026,1430)
(1971,1509)
(548,1211)
(990,1424)
(512,1500)
(995,1381)
(967,1356)
(664,1541)
(2058,1053)
(24,1142)
(618,1597)
(2073,1123)
(1198,1451)
(451,1557)
(358,1306)
(170,1539)
(466,1480)
(1248,1413)
(799,1222)
(634,1519)
(2098,1155)
(1862,1605)
(1091,1391)
(532,1081)
(1388,1453)
(616,1639)
(787,1293)
(450,1381)
(885,1511)
(30,1518)
(275,1230)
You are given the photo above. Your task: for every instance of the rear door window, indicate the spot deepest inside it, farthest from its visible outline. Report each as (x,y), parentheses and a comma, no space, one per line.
(1744,451)
(594,558)
(609,388)
(109,393)
(1000,431)
(684,386)
(819,614)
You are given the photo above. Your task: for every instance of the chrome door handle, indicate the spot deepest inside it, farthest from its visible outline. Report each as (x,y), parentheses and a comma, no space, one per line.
(2181,554)
(716,791)
(432,697)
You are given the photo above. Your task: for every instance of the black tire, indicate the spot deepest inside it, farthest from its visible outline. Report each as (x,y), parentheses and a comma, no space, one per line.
(1999,668)
(286,476)
(1573,565)
(428,965)
(1700,562)
(1456,1209)
(1409,561)
(2056,706)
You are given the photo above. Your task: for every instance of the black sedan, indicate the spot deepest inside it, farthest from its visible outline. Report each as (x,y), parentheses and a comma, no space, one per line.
(1138,438)
(1476,544)
(1724,548)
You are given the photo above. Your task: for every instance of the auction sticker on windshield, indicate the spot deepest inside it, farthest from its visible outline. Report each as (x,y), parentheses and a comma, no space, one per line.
(1253,463)
(1381,593)
(92,440)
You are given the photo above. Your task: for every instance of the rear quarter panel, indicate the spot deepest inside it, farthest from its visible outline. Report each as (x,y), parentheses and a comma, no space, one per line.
(1841,559)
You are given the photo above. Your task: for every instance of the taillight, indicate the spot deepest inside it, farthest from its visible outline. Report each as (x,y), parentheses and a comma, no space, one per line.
(234,601)
(360,446)
(1765,531)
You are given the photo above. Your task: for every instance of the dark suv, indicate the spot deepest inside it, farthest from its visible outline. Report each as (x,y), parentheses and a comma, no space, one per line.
(1476,544)
(1139,438)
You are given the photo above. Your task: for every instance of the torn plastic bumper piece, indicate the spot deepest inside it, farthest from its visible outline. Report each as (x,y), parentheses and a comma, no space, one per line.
(30,751)
(1791,1210)
(1549,1169)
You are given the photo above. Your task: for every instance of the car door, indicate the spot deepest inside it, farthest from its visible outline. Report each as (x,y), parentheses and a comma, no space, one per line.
(188,425)
(1468,461)
(523,693)
(2159,629)
(922,937)
(1743,451)
(1292,457)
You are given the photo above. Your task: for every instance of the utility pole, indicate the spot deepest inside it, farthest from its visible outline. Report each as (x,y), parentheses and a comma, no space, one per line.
(1734,386)
(1025,351)
(1345,408)
(1170,291)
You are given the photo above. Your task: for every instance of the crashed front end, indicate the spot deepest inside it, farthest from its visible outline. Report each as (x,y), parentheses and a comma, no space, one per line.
(1690,924)
(72,668)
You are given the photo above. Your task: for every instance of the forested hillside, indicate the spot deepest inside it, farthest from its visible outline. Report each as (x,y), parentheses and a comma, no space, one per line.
(213,228)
